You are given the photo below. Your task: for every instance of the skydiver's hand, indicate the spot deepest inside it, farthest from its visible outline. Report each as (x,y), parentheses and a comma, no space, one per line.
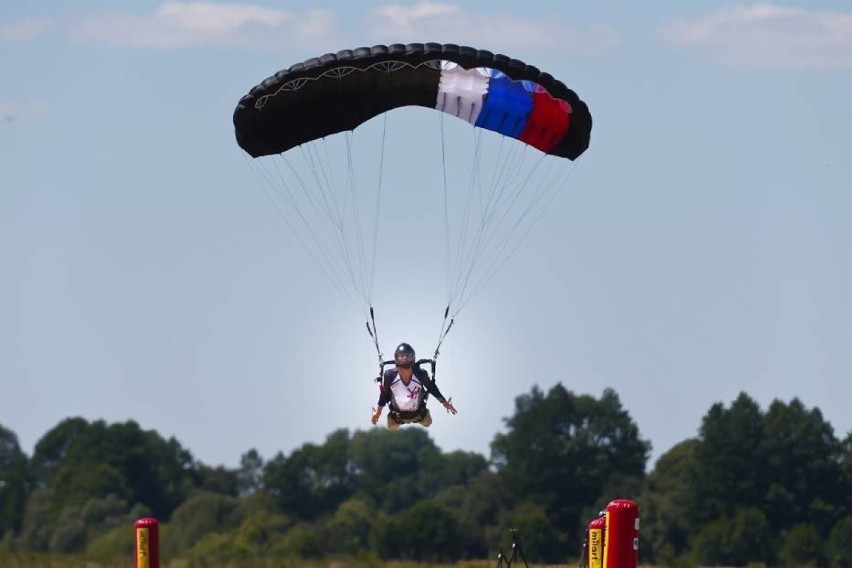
(448,404)
(377,412)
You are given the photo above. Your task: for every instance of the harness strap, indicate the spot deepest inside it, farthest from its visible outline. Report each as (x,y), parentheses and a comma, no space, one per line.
(409,415)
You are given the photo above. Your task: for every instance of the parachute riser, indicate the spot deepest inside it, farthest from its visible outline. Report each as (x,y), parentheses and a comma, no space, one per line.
(374,333)
(445,329)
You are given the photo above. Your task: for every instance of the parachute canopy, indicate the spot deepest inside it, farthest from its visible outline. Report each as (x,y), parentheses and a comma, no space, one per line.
(337,92)
(497,177)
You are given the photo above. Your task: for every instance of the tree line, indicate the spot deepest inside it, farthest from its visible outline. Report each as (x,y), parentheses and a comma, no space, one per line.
(767,486)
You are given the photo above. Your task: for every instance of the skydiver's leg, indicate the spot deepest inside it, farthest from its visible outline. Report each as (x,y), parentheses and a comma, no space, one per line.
(426,421)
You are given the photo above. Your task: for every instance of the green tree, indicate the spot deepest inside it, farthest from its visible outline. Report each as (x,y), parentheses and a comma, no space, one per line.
(250,473)
(303,540)
(846,466)
(397,469)
(425,532)
(666,504)
(314,479)
(14,484)
(562,450)
(78,461)
(462,468)
(479,508)
(348,530)
(76,526)
(111,545)
(803,457)
(731,467)
(99,515)
(38,521)
(199,515)
(69,533)
(541,541)
(52,449)
(260,532)
(746,538)
(74,484)
(838,550)
(801,546)
(218,479)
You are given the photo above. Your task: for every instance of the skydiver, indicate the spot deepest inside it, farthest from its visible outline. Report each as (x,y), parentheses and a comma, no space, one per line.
(405,388)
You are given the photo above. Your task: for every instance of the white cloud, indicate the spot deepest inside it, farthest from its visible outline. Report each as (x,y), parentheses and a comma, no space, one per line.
(17,111)
(769,35)
(188,24)
(434,21)
(24,30)
(408,16)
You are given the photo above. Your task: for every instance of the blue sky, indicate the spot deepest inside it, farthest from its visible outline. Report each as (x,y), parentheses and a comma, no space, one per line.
(700,248)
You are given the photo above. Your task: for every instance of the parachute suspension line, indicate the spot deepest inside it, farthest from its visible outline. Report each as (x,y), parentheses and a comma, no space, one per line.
(463,244)
(352,193)
(515,180)
(327,213)
(445,328)
(284,193)
(513,166)
(365,289)
(312,160)
(309,195)
(503,162)
(472,235)
(350,237)
(449,263)
(520,189)
(324,182)
(378,207)
(538,193)
(479,239)
(322,245)
(499,258)
(324,164)
(487,231)
(328,174)
(340,199)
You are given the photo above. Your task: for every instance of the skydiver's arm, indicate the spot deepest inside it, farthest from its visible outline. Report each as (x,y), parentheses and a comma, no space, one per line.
(433,389)
(436,392)
(384,396)
(377,413)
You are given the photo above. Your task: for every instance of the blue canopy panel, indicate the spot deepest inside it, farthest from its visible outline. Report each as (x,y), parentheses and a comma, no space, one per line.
(489,99)
(507,105)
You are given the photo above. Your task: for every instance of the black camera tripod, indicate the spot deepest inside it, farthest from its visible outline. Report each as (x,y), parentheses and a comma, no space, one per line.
(516,551)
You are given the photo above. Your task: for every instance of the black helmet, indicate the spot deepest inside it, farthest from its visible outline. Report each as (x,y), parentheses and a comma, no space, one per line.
(404,354)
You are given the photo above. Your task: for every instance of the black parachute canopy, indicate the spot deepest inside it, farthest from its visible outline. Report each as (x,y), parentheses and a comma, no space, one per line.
(337,92)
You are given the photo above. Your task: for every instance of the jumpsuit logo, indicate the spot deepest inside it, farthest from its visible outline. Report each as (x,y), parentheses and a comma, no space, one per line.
(413,392)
